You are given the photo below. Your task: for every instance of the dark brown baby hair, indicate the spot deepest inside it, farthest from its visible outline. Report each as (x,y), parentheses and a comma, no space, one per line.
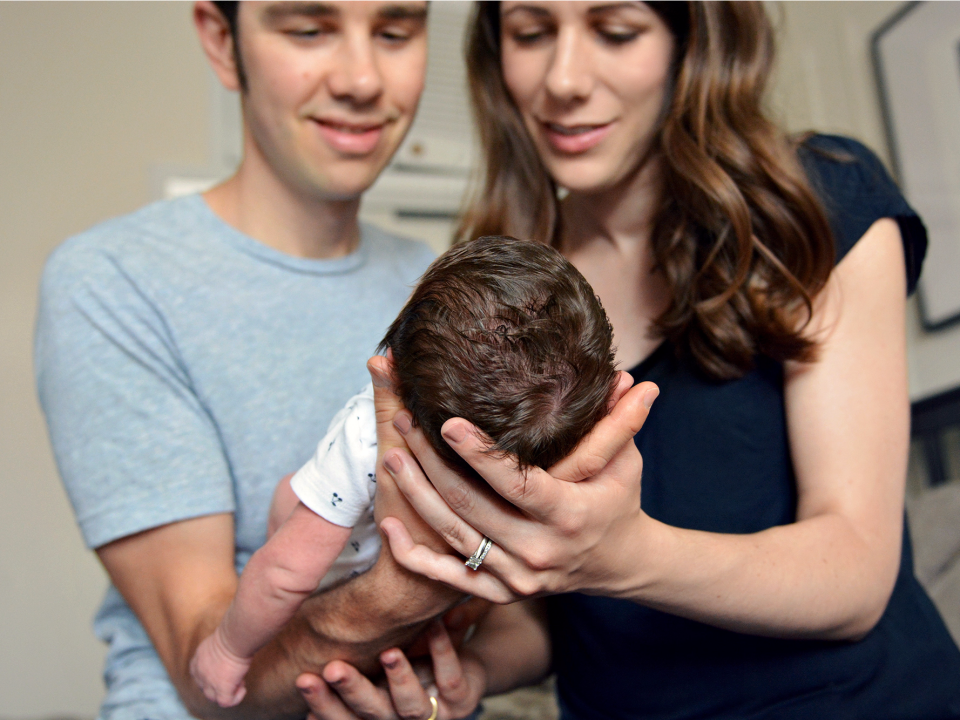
(509,335)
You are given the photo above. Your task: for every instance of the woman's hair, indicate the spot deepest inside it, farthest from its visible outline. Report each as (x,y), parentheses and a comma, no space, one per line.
(740,236)
(509,335)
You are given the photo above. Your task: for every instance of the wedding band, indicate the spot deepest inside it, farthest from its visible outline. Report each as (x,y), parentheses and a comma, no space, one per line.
(436,708)
(473,562)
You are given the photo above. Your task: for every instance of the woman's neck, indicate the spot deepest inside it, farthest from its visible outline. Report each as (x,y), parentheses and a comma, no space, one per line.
(606,235)
(622,214)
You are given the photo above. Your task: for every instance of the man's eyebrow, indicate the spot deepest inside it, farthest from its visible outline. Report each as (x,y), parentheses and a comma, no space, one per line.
(283,10)
(403,12)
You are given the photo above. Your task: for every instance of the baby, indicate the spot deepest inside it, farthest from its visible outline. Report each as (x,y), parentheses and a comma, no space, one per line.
(502,332)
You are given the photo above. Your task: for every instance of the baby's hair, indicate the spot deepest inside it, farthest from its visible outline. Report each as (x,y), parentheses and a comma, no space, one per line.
(509,335)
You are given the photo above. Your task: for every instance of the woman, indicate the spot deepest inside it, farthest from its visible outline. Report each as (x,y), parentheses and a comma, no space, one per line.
(764,570)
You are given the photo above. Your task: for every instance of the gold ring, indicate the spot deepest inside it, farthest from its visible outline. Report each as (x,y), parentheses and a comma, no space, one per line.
(436,708)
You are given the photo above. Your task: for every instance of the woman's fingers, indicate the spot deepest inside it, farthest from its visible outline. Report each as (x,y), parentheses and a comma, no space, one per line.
(357,693)
(624,383)
(410,700)
(530,490)
(386,402)
(447,670)
(609,435)
(430,506)
(465,497)
(445,568)
(323,702)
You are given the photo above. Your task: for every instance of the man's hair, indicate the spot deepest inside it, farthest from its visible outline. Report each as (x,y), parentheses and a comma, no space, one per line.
(229,9)
(510,336)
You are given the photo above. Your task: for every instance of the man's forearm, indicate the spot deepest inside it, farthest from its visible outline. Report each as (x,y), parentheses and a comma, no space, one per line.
(383,608)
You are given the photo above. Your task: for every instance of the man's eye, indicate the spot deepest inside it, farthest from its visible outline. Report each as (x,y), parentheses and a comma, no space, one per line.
(307,31)
(395,35)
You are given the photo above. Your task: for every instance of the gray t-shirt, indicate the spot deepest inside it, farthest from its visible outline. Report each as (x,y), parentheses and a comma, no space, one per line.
(184,368)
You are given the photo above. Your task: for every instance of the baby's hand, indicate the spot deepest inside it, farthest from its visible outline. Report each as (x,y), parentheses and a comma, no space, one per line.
(219,672)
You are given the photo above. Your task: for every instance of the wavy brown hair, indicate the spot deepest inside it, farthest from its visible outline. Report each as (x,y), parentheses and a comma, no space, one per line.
(740,236)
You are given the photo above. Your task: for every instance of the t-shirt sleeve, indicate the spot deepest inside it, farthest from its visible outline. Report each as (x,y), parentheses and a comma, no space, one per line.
(339,481)
(134,445)
(856,191)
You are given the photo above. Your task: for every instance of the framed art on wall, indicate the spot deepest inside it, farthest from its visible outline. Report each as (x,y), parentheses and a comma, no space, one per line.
(916,55)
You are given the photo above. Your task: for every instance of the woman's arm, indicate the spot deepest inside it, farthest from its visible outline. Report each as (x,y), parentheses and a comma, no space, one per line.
(829,575)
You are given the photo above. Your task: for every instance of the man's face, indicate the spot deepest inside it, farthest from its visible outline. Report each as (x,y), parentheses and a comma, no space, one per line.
(332,89)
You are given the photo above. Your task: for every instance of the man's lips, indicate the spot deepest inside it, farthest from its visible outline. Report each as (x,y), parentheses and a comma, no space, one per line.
(573,139)
(349,137)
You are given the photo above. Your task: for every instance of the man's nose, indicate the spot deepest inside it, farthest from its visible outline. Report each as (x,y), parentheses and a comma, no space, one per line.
(570,76)
(356,75)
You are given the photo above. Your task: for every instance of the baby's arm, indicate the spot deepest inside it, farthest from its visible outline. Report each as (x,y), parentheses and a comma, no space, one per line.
(282,505)
(278,578)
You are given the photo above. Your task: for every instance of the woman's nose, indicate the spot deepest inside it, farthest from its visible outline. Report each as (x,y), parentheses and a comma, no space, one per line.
(570,76)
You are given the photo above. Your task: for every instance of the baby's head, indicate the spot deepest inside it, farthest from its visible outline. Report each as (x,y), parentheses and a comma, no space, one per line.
(509,335)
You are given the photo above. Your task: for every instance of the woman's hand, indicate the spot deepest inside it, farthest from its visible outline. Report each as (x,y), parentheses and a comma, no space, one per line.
(344,693)
(553,531)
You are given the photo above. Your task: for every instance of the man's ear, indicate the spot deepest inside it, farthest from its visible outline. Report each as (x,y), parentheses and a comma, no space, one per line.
(217,42)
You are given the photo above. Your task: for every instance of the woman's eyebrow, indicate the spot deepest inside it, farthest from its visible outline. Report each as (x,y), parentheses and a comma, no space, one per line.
(608,7)
(532,9)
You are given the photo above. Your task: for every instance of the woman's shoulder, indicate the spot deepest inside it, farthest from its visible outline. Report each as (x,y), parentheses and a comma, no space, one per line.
(856,190)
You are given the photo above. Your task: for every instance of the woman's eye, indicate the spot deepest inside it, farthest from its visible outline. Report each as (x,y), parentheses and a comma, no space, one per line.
(617,35)
(528,36)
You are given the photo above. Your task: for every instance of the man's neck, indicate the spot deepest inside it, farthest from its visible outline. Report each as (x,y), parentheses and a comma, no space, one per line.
(257,203)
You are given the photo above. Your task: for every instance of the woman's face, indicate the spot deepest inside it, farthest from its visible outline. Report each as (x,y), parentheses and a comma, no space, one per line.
(590,80)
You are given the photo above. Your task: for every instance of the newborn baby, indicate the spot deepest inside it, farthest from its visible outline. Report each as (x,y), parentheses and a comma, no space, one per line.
(503,332)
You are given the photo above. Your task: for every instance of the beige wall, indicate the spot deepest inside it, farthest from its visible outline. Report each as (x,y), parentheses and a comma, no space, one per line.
(92,98)
(826,82)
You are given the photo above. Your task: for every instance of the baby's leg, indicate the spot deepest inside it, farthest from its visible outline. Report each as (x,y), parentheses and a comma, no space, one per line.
(283,503)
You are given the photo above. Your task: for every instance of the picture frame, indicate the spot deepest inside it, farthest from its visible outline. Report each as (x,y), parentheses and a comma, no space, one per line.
(916,57)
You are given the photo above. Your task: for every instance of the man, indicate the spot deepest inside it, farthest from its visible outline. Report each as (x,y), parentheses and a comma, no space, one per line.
(192,353)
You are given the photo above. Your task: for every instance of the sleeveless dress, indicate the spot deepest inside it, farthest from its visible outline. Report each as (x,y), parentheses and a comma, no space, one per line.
(717,458)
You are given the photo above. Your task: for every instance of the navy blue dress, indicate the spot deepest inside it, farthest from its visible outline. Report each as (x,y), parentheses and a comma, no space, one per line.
(717,458)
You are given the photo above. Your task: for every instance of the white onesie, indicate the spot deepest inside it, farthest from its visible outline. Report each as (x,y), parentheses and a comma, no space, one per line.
(339,482)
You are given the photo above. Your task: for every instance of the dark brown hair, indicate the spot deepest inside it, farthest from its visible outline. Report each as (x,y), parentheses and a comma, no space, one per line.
(509,335)
(740,236)
(230,9)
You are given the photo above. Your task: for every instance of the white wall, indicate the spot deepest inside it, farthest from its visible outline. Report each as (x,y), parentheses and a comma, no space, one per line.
(93,99)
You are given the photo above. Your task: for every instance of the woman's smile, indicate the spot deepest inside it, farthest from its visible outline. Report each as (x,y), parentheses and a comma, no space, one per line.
(575,139)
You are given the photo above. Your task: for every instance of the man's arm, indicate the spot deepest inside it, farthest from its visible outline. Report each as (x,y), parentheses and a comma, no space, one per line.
(179,579)
(385,607)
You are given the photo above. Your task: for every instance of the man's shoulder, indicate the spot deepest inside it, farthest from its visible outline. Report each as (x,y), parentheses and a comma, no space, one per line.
(390,247)
(133,233)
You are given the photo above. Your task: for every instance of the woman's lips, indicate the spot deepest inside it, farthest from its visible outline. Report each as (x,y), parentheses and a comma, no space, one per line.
(573,139)
(350,139)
